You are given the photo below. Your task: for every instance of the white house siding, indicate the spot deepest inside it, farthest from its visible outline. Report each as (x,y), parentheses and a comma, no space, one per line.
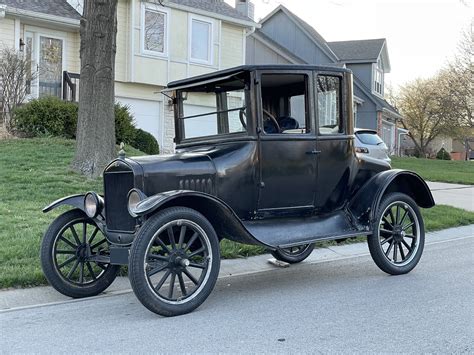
(7,30)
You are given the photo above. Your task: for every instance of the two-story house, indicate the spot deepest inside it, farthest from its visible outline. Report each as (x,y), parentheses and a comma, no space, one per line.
(285,38)
(155,45)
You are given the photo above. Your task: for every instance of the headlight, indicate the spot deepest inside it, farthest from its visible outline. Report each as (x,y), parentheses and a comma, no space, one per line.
(362,150)
(93,204)
(135,196)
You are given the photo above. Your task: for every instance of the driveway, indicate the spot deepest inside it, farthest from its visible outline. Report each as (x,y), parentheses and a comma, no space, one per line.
(461,196)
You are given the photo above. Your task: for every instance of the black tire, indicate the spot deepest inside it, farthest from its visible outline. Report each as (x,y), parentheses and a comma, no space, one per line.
(398,229)
(174,245)
(293,255)
(61,248)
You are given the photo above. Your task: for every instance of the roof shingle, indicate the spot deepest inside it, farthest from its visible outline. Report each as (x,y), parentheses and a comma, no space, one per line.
(216,6)
(358,50)
(59,8)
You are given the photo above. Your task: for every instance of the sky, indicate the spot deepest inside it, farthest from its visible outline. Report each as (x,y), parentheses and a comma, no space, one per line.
(421,34)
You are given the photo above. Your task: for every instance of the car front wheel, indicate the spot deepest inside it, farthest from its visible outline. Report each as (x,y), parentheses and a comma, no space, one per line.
(174,261)
(398,235)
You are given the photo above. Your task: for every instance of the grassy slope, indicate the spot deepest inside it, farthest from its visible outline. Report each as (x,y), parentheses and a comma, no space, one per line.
(34,172)
(460,172)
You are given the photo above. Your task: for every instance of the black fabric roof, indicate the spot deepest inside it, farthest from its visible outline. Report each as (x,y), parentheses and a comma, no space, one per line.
(358,50)
(51,7)
(216,6)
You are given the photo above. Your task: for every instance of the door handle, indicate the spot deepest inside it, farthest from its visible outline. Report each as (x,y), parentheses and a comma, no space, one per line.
(313,152)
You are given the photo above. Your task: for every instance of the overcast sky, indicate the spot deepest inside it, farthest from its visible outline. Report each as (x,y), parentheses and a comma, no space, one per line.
(421,34)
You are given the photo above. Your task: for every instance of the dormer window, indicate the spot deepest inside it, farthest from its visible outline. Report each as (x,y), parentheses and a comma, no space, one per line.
(378,77)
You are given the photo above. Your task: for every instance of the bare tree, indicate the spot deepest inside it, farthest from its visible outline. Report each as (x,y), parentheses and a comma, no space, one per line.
(95,138)
(15,79)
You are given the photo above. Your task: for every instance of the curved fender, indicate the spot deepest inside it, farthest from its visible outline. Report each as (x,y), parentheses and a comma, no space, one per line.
(73,200)
(224,220)
(363,205)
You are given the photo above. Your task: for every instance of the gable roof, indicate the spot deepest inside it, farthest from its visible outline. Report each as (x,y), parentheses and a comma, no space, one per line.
(214,6)
(59,8)
(367,50)
(306,28)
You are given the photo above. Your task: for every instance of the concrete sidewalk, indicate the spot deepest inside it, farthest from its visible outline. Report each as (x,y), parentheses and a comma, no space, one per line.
(461,196)
(15,299)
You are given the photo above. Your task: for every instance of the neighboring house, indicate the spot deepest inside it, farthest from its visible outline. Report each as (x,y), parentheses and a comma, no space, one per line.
(284,38)
(155,45)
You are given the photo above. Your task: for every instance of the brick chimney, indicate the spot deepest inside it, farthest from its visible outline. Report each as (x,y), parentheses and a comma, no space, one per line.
(246,8)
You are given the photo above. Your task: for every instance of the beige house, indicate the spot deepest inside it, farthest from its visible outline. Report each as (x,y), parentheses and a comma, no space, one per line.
(155,45)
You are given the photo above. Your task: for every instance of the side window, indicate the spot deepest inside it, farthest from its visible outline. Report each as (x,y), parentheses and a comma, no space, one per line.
(285,104)
(329,105)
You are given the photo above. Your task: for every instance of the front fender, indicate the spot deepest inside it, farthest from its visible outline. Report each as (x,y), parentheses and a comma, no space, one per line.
(222,217)
(365,202)
(76,201)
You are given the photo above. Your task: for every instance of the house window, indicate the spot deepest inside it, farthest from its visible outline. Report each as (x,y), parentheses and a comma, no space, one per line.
(378,78)
(154,29)
(201,41)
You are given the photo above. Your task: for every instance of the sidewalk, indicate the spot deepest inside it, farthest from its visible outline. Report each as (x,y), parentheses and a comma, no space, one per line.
(461,196)
(42,296)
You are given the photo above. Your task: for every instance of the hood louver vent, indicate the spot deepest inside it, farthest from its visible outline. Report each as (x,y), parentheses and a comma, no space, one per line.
(201,185)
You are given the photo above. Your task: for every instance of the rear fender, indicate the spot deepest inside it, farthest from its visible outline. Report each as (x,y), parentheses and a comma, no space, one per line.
(76,201)
(365,202)
(224,220)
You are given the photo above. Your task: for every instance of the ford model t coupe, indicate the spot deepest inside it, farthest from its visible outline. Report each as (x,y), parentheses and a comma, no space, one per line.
(264,155)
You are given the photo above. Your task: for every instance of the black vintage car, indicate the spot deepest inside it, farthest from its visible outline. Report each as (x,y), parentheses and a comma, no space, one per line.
(264,155)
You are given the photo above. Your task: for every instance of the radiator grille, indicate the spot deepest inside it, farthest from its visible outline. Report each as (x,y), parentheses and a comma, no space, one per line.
(116,187)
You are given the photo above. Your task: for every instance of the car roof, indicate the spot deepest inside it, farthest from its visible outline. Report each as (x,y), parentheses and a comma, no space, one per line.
(249,68)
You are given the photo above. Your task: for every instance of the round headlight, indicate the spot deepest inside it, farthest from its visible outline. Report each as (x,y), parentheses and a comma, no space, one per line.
(92,204)
(135,196)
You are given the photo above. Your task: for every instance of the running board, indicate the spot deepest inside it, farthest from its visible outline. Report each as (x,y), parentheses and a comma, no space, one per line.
(287,232)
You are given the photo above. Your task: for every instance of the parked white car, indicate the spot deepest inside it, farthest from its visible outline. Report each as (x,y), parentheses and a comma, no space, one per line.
(369,143)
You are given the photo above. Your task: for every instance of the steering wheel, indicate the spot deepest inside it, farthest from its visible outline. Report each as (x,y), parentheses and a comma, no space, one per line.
(273,120)
(243,117)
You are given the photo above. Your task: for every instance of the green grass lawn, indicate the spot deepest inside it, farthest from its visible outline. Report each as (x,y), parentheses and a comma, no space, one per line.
(34,172)
(459,172)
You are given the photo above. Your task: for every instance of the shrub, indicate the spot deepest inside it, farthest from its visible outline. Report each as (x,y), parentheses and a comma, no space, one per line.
(145,142)
(46,116)
(125,129)
(443,155)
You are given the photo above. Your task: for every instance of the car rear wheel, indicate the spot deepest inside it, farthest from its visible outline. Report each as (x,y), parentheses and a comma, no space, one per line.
(399,236)
(174,261)
(293,255)
(75,256)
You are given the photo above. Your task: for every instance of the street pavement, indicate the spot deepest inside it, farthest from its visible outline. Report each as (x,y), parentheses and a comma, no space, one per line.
(344,304)
(461,196)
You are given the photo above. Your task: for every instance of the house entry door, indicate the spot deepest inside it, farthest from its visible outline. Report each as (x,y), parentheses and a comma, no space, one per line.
(50,66)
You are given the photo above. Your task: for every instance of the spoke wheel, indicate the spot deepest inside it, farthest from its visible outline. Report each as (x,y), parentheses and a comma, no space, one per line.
(174,261)
(294,254)
(397,243)
(75,256)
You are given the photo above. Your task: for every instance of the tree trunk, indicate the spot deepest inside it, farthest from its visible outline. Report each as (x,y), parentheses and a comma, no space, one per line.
(95,138)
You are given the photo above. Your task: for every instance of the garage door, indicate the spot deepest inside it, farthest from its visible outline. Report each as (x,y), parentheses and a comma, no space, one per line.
(147,114)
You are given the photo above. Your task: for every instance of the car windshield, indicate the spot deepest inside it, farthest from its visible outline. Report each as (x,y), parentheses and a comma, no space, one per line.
(370,138)
(213,109)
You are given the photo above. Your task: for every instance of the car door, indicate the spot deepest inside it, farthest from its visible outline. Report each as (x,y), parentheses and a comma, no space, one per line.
(287,142)
(334,139)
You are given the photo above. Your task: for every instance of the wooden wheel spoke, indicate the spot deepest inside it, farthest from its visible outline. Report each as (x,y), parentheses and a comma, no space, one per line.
(68,242)
(397,214)
(196,252)
(386,221)
(71,252)
(68,261)
(93,235)
(163,245)
(198,266)
(69,275)
(392,218)
(84,232)
(191,241)
(395,252)
(171,237)
(74,234)
(162,281)
(389,248)
(402,253)
(387,240)
(191,277)
(385,231)
(182,285)
(171,288)
(158,257)
(404,228)
(403,218)
(409,248)
(81,273)
(182,233)
(156,270)
(98,243)
(91,271)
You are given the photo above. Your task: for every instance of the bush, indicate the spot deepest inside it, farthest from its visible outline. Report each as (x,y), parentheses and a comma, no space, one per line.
(145,142)
(46,116)
(443,155)
(125,129)
(54,117)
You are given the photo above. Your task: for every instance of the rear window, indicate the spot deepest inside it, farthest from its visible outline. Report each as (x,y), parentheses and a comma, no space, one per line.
(369,138)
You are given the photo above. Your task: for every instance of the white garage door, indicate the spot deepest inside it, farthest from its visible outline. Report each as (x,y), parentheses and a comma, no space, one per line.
(147,114)
(199,126)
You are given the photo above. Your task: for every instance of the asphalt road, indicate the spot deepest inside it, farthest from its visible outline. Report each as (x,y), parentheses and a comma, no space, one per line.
(341,306)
